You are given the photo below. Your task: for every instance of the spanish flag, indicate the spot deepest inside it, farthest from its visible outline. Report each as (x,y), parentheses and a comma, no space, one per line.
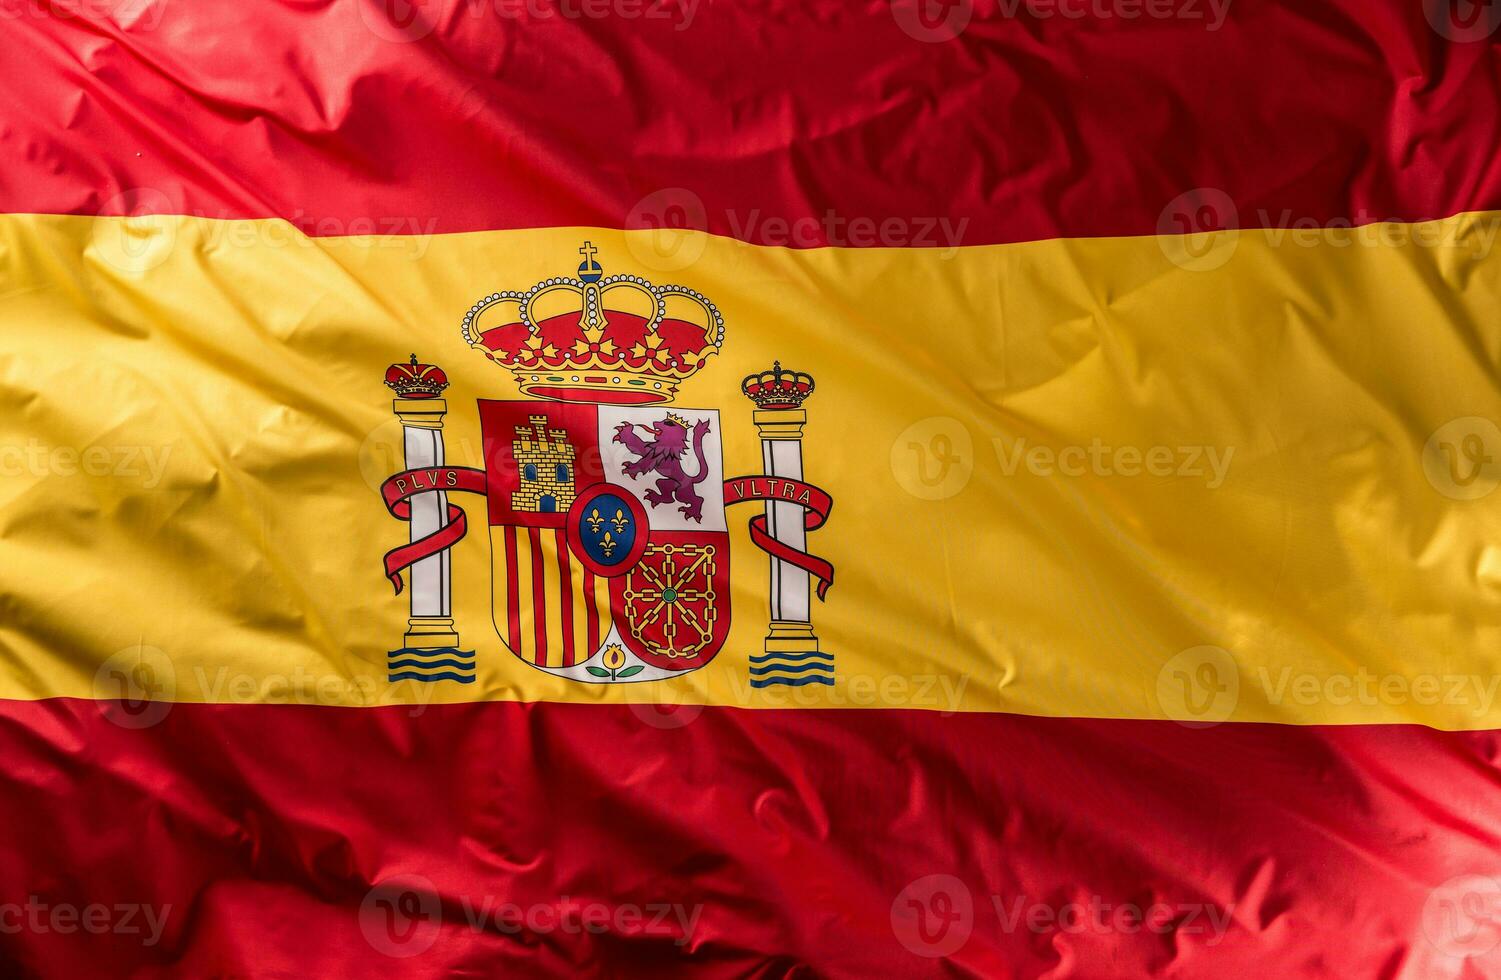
(913,488)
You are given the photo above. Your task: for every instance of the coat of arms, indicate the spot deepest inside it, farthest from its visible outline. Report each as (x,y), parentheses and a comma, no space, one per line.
(610,551)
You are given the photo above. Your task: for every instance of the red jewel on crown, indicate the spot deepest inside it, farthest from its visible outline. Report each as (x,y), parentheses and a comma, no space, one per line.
(413,380)
(778,388)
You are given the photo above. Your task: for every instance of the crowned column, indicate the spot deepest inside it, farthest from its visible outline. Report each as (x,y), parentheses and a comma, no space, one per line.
(779,418)
(420,411)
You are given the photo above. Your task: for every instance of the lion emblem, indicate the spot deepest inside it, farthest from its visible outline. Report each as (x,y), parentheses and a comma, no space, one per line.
(663,454)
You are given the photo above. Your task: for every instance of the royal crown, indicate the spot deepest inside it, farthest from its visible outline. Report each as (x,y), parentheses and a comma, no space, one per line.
(604,339)
(413,380)
(778,388)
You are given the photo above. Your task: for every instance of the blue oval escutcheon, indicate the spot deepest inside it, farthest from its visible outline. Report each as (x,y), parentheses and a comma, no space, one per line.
(607,529)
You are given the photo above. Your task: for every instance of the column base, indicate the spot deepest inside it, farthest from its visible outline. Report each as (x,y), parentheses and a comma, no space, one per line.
(791,637)
(430,633)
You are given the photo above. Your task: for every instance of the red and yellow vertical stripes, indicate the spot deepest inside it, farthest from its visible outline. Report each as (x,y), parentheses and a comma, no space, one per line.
(548,608)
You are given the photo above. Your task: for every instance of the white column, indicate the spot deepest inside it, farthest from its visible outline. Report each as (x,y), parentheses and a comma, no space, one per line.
(791,628)
(431,623)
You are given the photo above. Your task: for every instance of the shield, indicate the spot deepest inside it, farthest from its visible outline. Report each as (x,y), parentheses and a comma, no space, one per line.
(610,553)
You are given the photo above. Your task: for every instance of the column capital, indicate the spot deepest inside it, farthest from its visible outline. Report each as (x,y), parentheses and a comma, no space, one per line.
(423,413)
(782,423)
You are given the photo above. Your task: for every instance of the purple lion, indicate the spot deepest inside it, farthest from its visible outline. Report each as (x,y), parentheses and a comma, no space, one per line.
(663,454)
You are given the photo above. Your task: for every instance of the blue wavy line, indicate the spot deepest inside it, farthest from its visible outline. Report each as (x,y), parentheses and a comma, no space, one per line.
(433,652)
(791,656)
(789,682)
(792,668)
(461,664)
(447,676)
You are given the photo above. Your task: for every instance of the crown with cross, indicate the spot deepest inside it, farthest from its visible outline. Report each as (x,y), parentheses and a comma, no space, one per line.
(616,340)
(414,380)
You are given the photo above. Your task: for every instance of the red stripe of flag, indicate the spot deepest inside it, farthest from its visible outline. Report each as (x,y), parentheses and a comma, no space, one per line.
(1270,851)
(539,597)
(565,596)
(591,611)
(849,116)
(513,599)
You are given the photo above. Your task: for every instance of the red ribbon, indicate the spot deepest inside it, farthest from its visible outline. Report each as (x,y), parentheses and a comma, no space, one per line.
(816,505)
(399,490)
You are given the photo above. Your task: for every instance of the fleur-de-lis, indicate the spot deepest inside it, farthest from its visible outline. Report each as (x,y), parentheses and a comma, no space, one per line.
(607,544)
(619,521)
(594,520)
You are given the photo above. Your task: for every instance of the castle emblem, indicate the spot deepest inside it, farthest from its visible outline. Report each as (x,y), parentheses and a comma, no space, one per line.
(545,458)
(606,510)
